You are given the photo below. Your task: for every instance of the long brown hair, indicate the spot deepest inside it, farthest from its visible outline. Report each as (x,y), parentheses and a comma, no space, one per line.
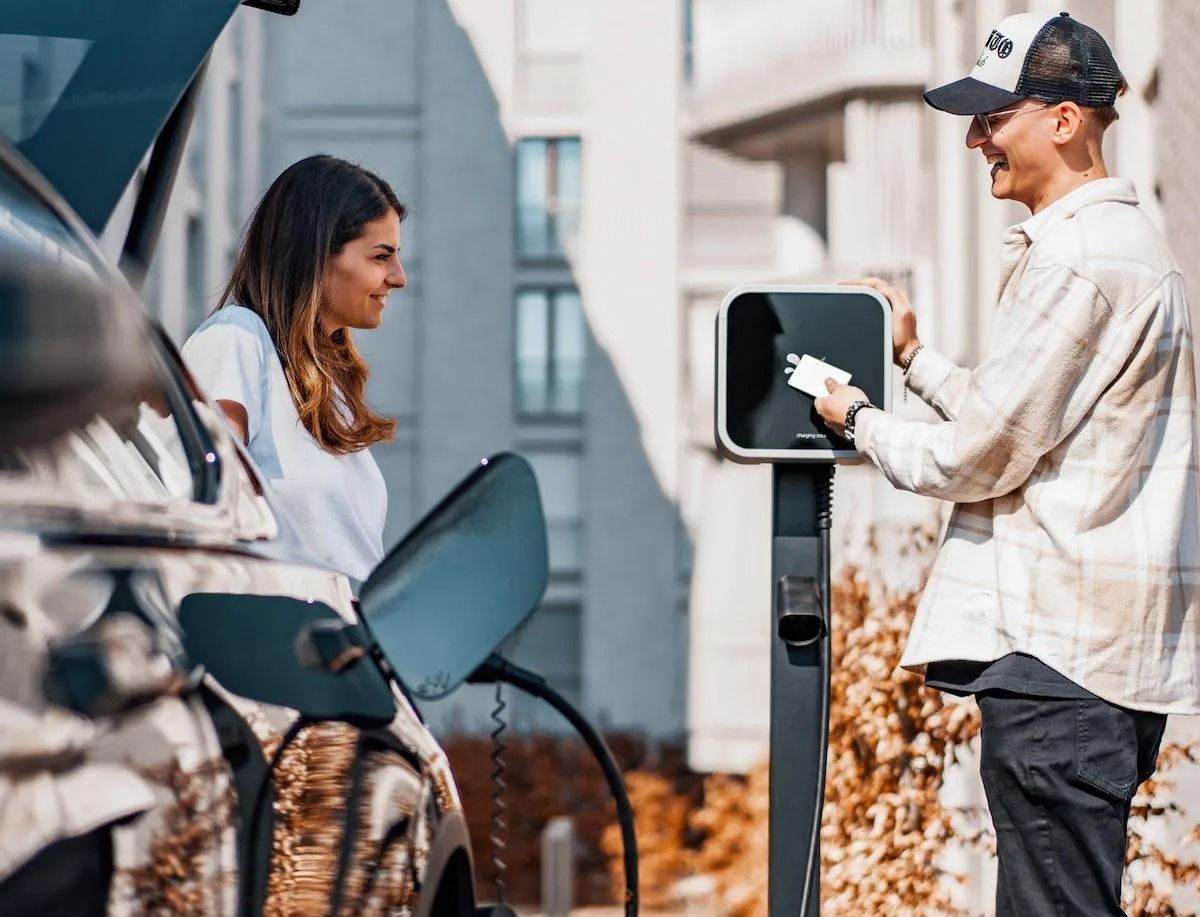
(307,216)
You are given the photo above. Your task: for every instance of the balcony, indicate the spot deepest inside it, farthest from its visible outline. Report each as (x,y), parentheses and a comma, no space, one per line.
(771,67)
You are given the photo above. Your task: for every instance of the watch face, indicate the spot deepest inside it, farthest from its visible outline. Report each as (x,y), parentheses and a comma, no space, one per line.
(772,340)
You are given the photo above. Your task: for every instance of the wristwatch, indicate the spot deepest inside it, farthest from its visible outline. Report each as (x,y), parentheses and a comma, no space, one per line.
(851,413)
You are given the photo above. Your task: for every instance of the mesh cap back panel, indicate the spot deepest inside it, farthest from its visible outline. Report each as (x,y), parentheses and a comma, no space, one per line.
(1070,62)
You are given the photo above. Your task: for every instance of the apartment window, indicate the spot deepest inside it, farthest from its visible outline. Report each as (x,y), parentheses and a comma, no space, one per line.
(551,353)
(558,481)
(689,35)
(36,69)
(548,191)
(235,151)
(195,152)
(197,306)
(551,645)
(32,94)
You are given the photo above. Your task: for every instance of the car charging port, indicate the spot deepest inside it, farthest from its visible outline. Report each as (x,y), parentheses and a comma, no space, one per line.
(332,645)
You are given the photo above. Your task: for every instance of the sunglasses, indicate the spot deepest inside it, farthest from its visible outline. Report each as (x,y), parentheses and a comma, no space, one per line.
(985,121)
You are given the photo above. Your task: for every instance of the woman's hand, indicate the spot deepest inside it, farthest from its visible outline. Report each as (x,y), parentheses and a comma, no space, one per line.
(904,319)
(833,407)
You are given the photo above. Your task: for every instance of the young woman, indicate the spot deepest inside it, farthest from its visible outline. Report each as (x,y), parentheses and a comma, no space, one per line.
(320,256)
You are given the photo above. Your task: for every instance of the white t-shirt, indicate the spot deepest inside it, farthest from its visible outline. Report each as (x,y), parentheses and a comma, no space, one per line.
(336,502)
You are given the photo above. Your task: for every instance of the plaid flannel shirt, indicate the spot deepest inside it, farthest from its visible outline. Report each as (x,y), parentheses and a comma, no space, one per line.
(1070,455)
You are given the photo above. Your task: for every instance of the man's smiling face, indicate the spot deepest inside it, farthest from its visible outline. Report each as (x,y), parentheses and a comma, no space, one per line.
(1020,152)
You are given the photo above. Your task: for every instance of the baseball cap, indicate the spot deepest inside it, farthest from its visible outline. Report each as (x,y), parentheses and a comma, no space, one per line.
(1032,56)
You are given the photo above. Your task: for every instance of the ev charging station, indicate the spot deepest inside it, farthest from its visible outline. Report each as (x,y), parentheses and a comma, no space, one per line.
(775,346)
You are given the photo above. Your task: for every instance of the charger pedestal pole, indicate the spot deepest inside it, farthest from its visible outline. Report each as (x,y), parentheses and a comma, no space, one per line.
(763,334)
(799,717)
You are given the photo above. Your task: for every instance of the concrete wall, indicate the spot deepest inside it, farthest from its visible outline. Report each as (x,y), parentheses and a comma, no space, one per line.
(1178,137)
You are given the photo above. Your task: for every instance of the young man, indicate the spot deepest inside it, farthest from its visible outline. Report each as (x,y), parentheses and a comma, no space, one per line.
(1064,593)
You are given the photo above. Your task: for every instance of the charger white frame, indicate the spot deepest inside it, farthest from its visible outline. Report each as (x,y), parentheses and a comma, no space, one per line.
(725,444)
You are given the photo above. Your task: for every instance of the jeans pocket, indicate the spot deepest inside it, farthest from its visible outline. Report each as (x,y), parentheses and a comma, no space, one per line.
(1106,748)
(1150,736)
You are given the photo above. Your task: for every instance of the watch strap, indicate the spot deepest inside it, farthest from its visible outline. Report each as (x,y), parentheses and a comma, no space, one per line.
(851,414)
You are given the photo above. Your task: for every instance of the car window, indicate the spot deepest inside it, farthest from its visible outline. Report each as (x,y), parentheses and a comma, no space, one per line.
(136,456)
(29,227)
(146,451)
(36,72)
(86,86)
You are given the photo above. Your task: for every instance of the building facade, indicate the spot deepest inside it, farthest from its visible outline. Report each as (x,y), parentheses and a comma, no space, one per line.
(535,144)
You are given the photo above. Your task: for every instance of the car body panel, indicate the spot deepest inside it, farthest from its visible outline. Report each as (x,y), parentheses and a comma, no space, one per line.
(156,759)
(167,788)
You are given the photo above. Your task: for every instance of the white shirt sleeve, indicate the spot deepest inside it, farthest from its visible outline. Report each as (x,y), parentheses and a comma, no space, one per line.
(228,362)
(936,380)
(1057,347)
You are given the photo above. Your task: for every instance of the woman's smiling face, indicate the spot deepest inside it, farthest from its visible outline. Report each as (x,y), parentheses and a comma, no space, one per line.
(359,278)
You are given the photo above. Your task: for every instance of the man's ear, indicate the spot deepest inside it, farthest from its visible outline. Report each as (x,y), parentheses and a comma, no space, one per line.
(1068,124)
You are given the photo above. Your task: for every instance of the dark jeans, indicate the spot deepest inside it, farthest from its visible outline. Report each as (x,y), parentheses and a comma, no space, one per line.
(1059,774)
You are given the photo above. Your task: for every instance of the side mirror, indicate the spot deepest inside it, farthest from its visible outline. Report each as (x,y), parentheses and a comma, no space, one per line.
(464,579)
(70,348)
(284,651)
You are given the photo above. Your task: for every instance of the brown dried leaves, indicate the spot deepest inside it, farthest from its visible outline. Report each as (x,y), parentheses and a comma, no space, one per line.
(884,827)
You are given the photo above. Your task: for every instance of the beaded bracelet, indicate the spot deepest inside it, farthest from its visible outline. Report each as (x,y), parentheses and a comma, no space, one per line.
(912,356)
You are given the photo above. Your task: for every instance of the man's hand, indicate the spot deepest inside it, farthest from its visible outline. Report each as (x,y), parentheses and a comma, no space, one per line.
(833,407)
(904,319)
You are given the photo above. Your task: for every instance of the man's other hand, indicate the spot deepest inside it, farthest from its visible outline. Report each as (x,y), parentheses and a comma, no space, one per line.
(833,407)
(904,319)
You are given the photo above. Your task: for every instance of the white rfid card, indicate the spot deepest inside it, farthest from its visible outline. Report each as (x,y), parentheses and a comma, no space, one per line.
(808,374)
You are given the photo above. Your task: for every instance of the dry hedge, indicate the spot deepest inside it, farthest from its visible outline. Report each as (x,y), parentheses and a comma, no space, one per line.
(885,829)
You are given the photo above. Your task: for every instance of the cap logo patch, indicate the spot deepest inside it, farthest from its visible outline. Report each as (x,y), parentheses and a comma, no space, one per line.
(1000,44)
